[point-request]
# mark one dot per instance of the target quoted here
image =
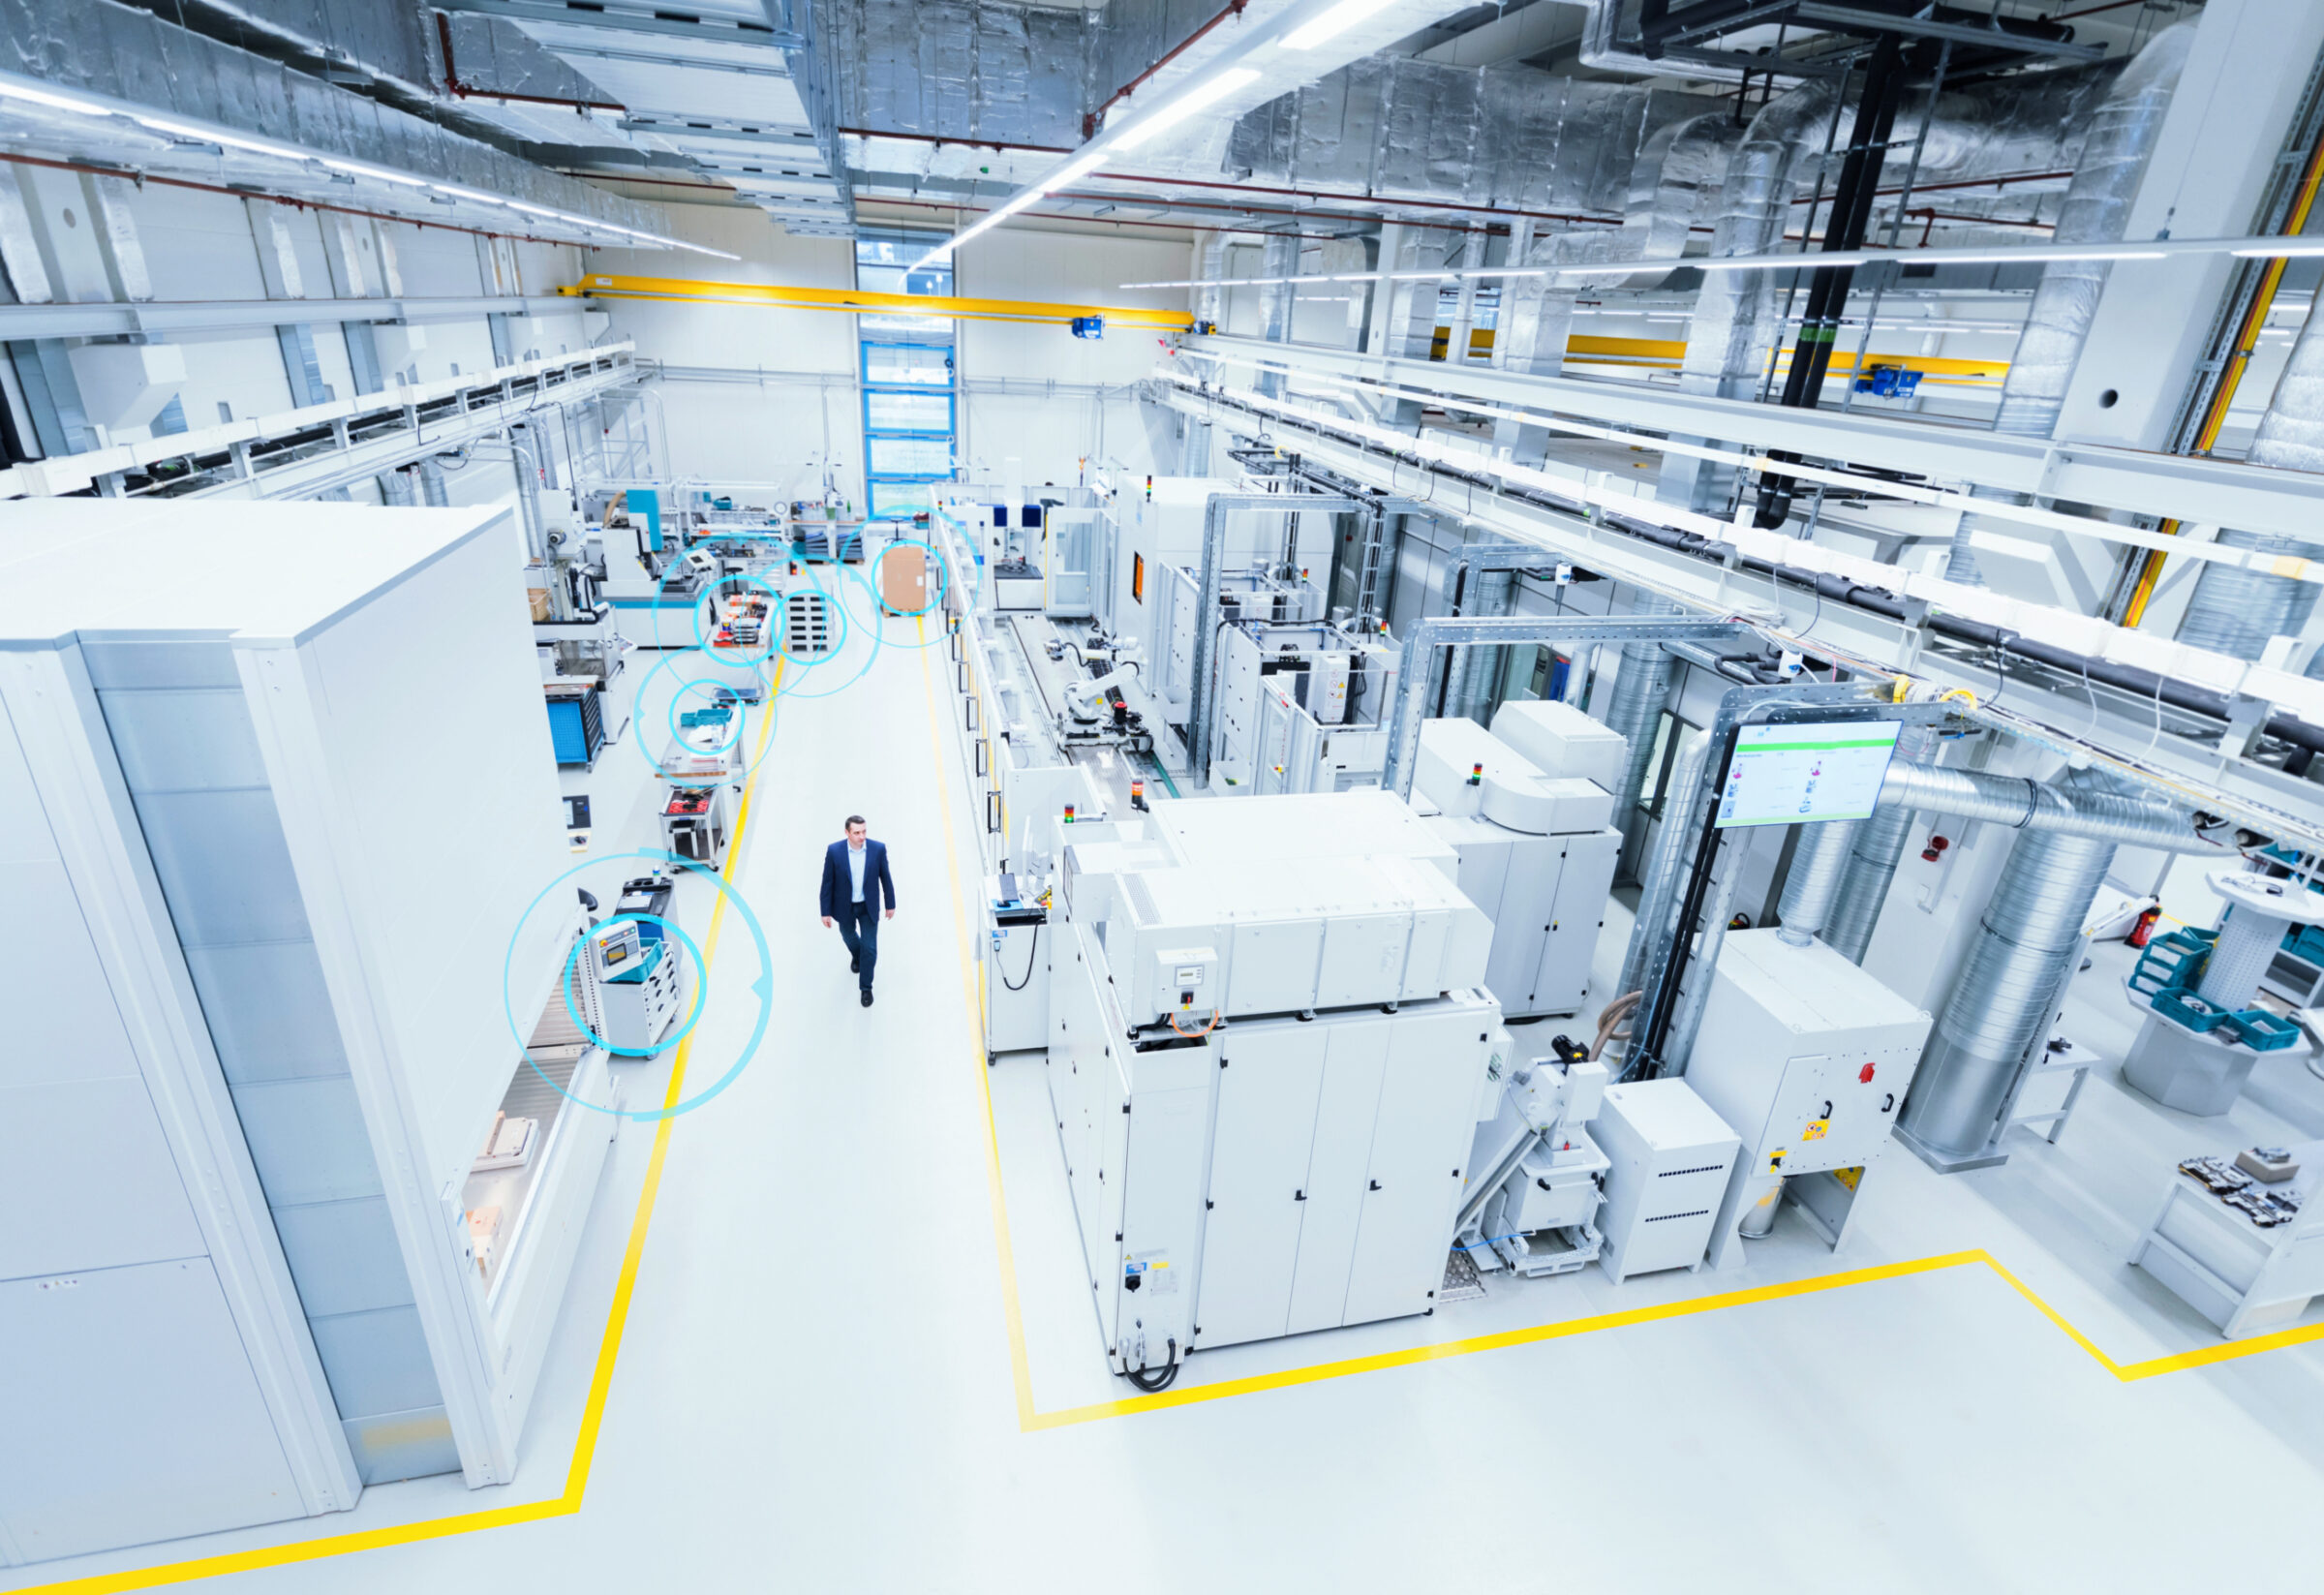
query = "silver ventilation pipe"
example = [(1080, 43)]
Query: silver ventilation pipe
[(1641, 685), (1725, 346), (1878, 844), (1678, 176), (1280, 262), (2078, 808), (2029, 939), (2028, 945), (2235, 610), (1658, 899), (2097, 210), (1819, 861), (1732, 332)]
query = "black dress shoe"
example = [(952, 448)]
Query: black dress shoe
[(855, 964), (867, 997)]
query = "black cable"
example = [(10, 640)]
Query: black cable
[(1028, 962), (1156, 1379)]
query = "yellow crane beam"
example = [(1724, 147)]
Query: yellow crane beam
[(849, 300)]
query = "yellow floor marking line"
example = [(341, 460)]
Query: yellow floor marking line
[(1030, 1419), (585, 1445), (1020, 1367)]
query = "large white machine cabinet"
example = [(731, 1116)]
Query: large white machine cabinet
[(1809, 1058), (1537, 853), (1266, 1075), (1669, 1157)]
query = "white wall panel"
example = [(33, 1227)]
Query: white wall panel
[(244, 370), (144, 1422), (197, 245), (433, 262)]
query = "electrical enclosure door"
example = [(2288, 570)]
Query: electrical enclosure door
[(1267, 1092), (1159, 1181), (1426, 1119), (1585, 878), (1353, 1063)]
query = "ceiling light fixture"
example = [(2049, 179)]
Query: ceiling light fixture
[(1332, 23), (54, 101), (1078, 168), (1199, 98)]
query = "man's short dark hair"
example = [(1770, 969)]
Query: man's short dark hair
[(856, 820)]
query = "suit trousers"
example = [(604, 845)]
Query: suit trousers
[(859, 928)]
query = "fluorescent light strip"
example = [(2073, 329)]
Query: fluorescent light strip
[(198, 134), (54, 101), (1201, 97), (1332, 23), (1081, 165)]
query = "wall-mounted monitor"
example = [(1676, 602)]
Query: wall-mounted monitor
[(1805, 772)]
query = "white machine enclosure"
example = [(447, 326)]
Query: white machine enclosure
[(228, 804), (1270, 1178), (1536, 854), (1292, 937), (1300, 708), (1558, 739), (1362, 824), (1158, 530), (1668, 1159), (1297, 1163), (1809, 1058)]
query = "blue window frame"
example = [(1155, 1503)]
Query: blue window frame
[(911, 381)]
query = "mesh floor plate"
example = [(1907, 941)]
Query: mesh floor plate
[(1461, 1280)]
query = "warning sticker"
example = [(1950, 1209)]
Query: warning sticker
[(1153, 1270), (1848, 1177), (1816, 1130)]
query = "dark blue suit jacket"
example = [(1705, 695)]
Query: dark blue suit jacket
[(839, 884)]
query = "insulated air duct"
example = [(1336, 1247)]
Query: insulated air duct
[(2097, 210), (2028, 944), (1641, 685), (1877, 843), (2235, 610), (2029, 941), (1819, 861)]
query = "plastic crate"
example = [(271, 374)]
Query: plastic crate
[(2172, 960), (2263, 1032), (2184, 1007)]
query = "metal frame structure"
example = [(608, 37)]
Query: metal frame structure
[(1423, 641), (2199, 491), (2156, 732), (1205, 611)]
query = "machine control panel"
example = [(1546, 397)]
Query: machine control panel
[(1191, 974)]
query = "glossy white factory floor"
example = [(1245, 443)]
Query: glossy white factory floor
[(831, 1369)]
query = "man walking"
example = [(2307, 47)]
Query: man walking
[(854, 873)]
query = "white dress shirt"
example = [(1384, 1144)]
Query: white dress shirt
[(856, 853)]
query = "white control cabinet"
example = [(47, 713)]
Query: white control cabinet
[(1669, 1157), (1273, 1177), (1536, 854), (1809, 1058)]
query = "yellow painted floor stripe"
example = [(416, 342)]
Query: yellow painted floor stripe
[(1029, 1417), (584, 1446)]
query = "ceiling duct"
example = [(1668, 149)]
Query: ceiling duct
[(1500, 136), (2124, 131), (2234, 610), (104, 48)]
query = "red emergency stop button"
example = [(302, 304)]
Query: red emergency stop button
[(1864, 1075)]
